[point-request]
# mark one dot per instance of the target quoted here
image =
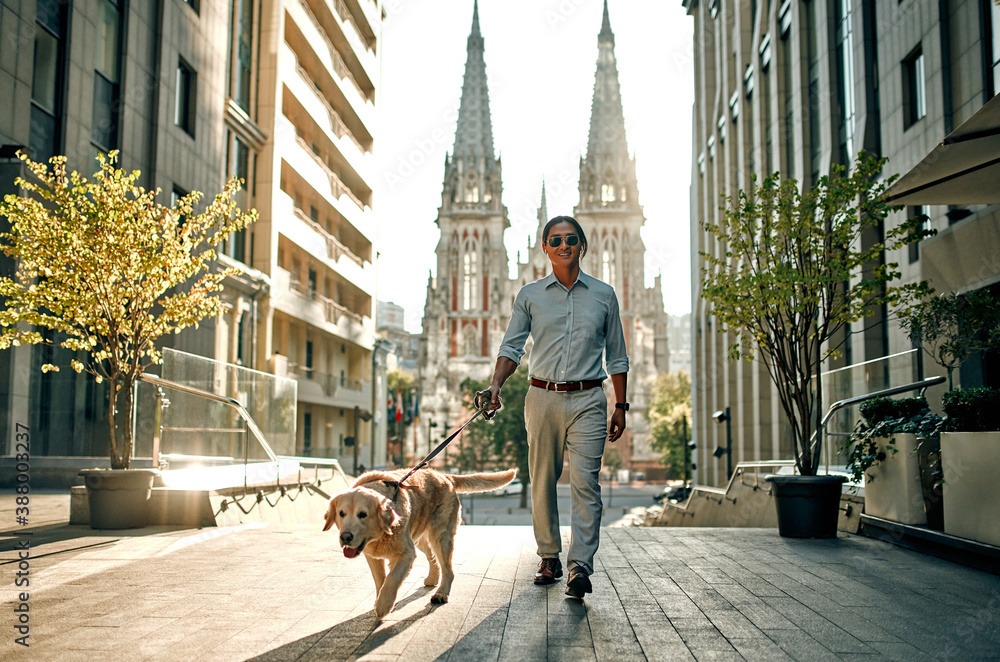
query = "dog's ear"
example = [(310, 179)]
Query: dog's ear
[(387, 516), (331, 512)]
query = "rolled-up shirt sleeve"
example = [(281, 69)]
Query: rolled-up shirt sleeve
[(518, 329), (614, 340)]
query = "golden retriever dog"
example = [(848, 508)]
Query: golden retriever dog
[(387, 523)]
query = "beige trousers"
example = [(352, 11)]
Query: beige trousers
[(576, 422)]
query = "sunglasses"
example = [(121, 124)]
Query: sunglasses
[(555, 240)]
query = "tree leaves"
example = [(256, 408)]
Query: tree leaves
[(789, 270), (112, 270)]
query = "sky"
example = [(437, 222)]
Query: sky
[(541, 58)]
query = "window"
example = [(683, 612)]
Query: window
[(608, 262), (470, 274), (238, 160), (107, 75), (241, 53), (995, 29), (307, 430), (914, 101), (470, 341), (471, 189), (175, 195), (309, 358), (312, 282), (815, 102), (241, 333), (845, 79), (187, 93), (914, 212), (46, 85), (607, 193), (789, 97)]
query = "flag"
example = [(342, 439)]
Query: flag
[(399, 409)]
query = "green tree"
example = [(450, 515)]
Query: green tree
[(791, 271), (952, 326), (502, 442), (110, 271), (671, 402)]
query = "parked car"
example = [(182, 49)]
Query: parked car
[(514, 487), (672, 493)]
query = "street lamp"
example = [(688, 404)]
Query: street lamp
[(366, 416), (724, 417)]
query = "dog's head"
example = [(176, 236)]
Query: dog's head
[(361, 515)]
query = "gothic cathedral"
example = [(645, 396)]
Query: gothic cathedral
[(468, 303)]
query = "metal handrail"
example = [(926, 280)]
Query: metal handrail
[(208, 395), (922, 385)]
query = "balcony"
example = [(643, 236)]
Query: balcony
[(365, 52), (300, 157), (323, 388), (314, 239), (315, 103), (314, 35), (293, 298)]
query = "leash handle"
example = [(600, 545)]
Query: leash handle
[(482, 402)]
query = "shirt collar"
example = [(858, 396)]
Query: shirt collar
[(551, 280)]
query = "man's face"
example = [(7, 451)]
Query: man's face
[(563, 256)]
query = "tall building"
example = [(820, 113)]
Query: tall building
[(469, 301), (797, 87), (679, 341), (161, 83), (318, 75), (281, 93)]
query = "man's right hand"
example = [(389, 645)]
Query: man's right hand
[(495, 400)]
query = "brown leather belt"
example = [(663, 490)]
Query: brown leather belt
[(566, 386)]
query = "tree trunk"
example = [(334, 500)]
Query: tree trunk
[(116, 462), (129, 392)]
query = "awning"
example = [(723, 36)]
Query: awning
[(963, 170)]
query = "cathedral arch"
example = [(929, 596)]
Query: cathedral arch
[(471, 188), (470, 340)]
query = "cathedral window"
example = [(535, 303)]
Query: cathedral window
[(470, 275), (471, 190), (608, 262), (607, 193)]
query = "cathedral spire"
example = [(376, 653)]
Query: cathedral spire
[(474, 133), (607, 174)]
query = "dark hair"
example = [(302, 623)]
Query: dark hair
[(566, 219)]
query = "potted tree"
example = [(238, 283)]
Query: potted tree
[(789, 274), (109, 270)]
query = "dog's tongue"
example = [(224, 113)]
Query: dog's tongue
[(350, 552)]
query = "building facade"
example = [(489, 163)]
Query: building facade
[(279, 93), (317, 92), (469, 301), (796, 87)]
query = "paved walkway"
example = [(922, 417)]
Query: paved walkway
[(261, 592)]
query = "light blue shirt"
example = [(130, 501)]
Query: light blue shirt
[(571, 330)]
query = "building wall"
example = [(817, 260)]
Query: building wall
[(110, 83), (796, 87)]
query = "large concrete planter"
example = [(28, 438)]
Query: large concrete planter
[(971, 495), (894, 491), (118, 498)]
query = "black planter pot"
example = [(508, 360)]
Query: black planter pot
[(118, 498), (808, 506)]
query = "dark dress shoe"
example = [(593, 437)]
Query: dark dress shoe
[(578, 584), (549, 570)]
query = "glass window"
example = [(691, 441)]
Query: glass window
[(104, 127), (107, 56), (787, 71), (845, 74), (46, 97), (186, 93), (914, 212), (239, 87), (43, 87), (914, 99), (995, 20), (470, 271)]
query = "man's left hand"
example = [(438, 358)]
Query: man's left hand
[(616, 426)]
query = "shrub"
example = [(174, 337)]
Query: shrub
[(972, 409)]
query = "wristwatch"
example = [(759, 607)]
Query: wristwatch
[(621, 405)]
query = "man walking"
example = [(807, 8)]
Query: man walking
[(574, 321)]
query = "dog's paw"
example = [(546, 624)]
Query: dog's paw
[(439, 599), (430, 581)]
